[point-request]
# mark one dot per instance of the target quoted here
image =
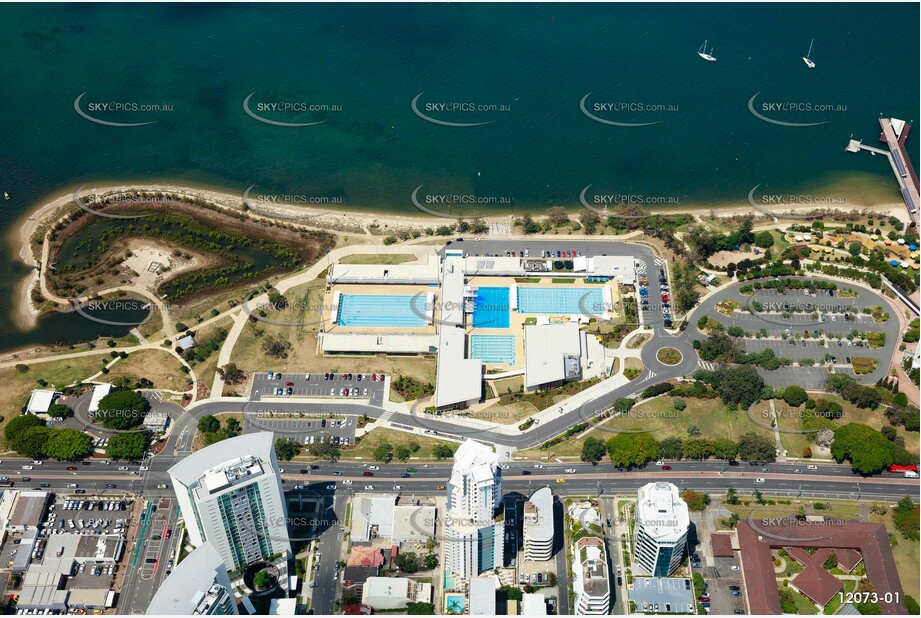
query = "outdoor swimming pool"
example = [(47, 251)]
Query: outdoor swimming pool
[(493, 348), (560, 301), (491, 308), (455, 603), (381, 310)]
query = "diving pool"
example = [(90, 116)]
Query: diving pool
[(560, 301), (493, 348), (381, 310), (491, 308)]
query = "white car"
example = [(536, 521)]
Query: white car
[(538, 466), (397, 487), (369, 486), (812, 467), (759, 481), (660, 463), (570, 470), (734, 567), (374, 467), (347, 481), (504, 466), (330, 487)]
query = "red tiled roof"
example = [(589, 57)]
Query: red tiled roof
[(848, 559), (365, 555), (721, 544), (817, 583), (869, 540)]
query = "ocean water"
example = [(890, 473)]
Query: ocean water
[(364, 65)]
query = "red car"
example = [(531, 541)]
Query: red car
[(374, 377), (367, 473), (289, 383), (666, 467), (169, 532), (71, 468)]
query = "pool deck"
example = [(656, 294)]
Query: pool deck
[(379, 290)]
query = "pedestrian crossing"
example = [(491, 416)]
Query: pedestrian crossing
[(706, 365), (386, 415)]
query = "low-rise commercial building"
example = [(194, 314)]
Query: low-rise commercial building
[(386, 593)]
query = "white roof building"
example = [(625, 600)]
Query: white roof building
[(475, 486), (413, 523), (372, 516), (198, 585), (458, 380), (553, 353), (99, 391), (230, 495), (394, 592), (533, 604), (483, 595), (41, 400), (660, 534), (406, 274), (590, 577), (538, 525), (378, 343)]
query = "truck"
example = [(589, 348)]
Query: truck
[(910, 470)]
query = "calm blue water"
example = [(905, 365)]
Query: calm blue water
[(371, 60), (381, 310), (560, 301), (491, 308), (493, 348)]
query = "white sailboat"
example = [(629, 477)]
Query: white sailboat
[(702, 52), (807, 59)]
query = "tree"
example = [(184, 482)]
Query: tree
[(732, 496), (679, 404), (429, 562), (287, 449), (420, 608), (590, 221), (122, 409), (628, 450), (593, 450), (795, 395), (208, 424), (442, 450), (263, 580), (68, 444), (558, 216), (697, 448), (868, 450), (402, 452), (327, 451), (756, 447), (60, 410), (21, 368), (855, 248), (407, 562), (128, 445), (738, 385), (905, 517), (765, 240), (724, 448), (831, 562), (231, 374), (696, 501), (383, 452), (19, 424), (671, 448), (32, 442), (276, 347), (623, 404), (693, 430)]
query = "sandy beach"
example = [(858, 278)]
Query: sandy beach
[(368, 223)]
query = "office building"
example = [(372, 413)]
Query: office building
[(538, 525), (661, 530), (199, 585)]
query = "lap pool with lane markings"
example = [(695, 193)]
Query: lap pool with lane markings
[(381, 310), (493, 348), (560, 301)]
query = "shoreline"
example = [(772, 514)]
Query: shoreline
[(329, 219)]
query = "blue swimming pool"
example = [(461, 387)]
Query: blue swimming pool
[(493, 348), (491, 308), (381, 310), (560, 301)]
